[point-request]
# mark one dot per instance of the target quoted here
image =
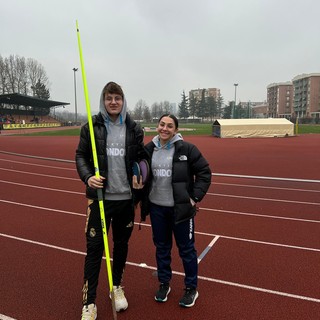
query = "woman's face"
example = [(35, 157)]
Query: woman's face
[(166, 129)]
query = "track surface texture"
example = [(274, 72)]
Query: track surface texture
[(257, 235)]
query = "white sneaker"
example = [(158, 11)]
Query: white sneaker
[(120, 300), (89, 312)]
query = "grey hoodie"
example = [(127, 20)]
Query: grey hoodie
[(117, 185), (161, 166)]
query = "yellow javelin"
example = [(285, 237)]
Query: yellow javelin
[(97, 174)]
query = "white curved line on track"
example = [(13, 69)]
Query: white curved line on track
[(209, 193), (42, 208), (40, 174), (38, 165), (262, 199), (264, 177), (260, 215), (148, 225), (39, 187), (263, 187), (229, 283), (3, 317), (213, 174)]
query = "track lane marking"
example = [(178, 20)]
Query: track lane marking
[(36, 157), (43, 208), (42, 188), (260, 242), (263, 199), (208, 248), (38, 165), (261, 215), (148, 225), (264, 177), (3, 317), (229, 283), (264, 187), (40, 174)]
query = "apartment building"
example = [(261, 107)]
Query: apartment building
[(280, 100), (306, 101), (210, 92), (259, 110)]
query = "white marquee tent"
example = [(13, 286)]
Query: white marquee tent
[(252, 128)]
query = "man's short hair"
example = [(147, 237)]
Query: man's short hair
[(112, 88)]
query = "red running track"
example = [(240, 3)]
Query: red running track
[(258, 235)]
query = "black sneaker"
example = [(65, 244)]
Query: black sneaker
[(162, 293), (189, 298)]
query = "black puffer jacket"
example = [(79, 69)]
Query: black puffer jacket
[(191, 178), (84, 159)]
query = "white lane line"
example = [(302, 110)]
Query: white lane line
[(40, 174), (260, 242), (148, 225), (209, 194), (213, 174), (38, 165), (229, 283), (261, 215), (264, 177), (244, 286), (39, 187), (263, 199), (208, 248), (36, 157), (264, 187), (3, 317), (42, 208)]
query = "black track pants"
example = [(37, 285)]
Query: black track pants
[(121, 216)]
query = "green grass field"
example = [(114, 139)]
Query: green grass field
[(198, 129)]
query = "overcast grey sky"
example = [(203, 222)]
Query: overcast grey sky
[(155, 49)]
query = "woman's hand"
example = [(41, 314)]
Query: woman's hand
[(96, 183), (135, 183)]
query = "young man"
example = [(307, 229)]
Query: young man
[(119, 142)]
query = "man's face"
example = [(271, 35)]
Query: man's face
[(113, 103)]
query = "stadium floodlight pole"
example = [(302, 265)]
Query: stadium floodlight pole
[(235, 99), (75, 94), (97, 174)]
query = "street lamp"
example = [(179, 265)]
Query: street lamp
[(235, 99), (75, 94)]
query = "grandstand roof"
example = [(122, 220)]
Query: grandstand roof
[(24, 100)]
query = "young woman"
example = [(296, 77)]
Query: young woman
[(180, 178)]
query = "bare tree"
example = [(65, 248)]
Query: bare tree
[(21, 75), (36, 73), (166, 106), (138, 110)]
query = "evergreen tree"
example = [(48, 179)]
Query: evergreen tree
[(192, 106), (41, 91), (202, 110), (184, 106), (219, 106), (212, 107), (227, 111)]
